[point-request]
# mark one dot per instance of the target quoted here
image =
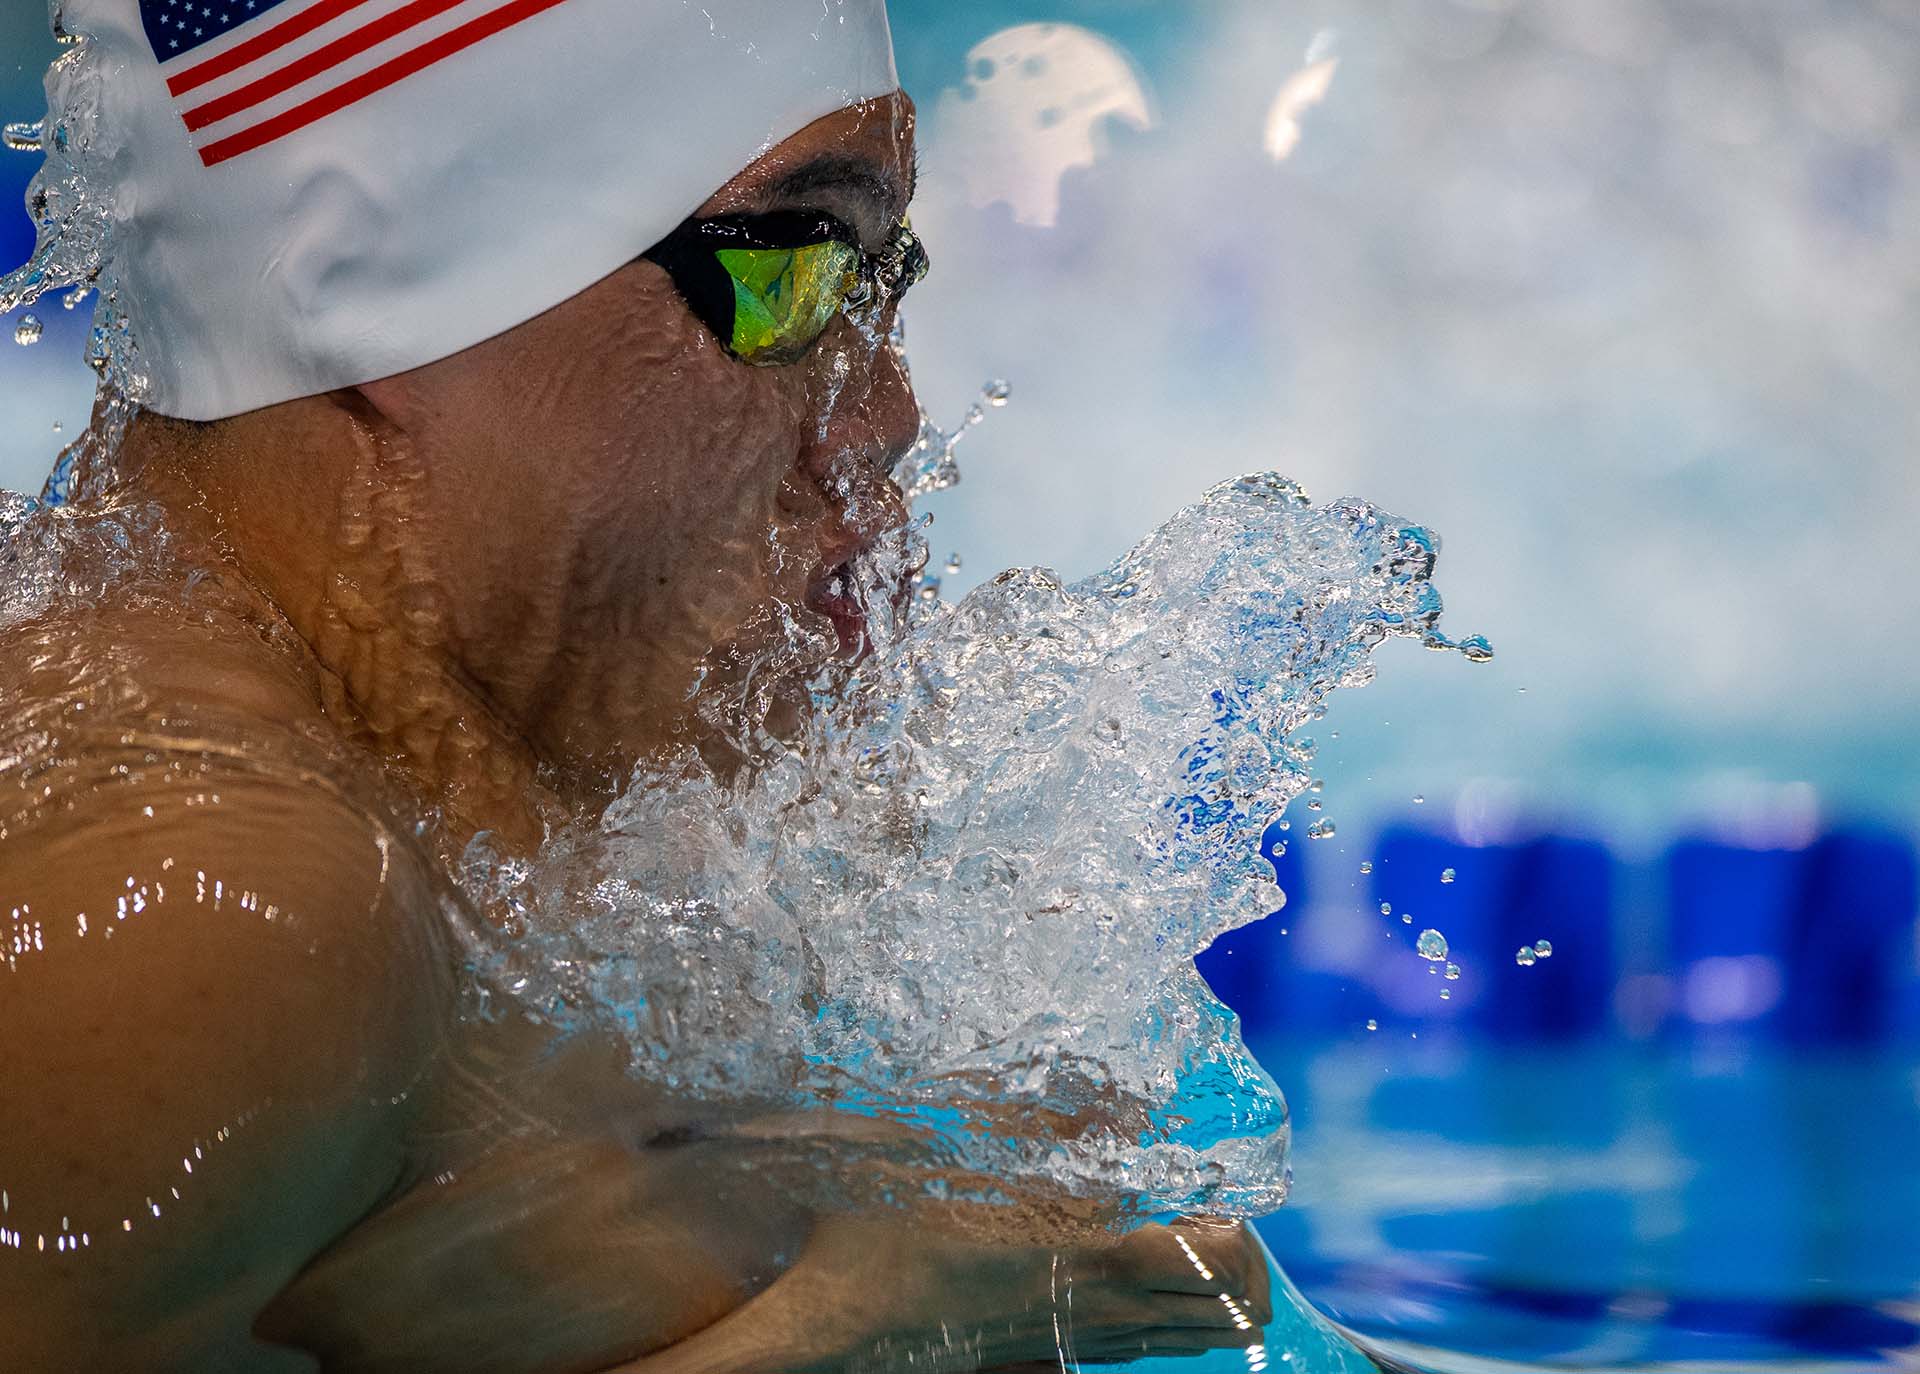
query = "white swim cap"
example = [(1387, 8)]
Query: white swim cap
[(309, 194)]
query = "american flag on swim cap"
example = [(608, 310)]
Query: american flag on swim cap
[(245, 73)]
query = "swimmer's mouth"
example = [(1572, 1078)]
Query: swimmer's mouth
[(832, 595)]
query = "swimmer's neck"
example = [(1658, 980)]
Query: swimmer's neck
[(324, 510)]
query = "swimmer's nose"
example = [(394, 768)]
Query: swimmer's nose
[(873, 419), (896, 410)]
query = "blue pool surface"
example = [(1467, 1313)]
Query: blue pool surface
[(1689, 1135), (1607, 1205)]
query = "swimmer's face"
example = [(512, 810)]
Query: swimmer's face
[(645, 504)]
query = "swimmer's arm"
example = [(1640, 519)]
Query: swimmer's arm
[(874, 1291), (213, 1026)]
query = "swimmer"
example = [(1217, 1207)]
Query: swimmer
[(506, 366)]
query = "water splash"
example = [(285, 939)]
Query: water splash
[(24, 136), (968, 902), (70, 201)]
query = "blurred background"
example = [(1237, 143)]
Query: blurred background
[(1623, 300)]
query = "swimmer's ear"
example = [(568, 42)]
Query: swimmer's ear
[(382, 408), (386, 397)]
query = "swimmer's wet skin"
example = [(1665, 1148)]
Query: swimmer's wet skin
[(458, 546)]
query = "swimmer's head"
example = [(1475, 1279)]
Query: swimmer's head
[(589, 318), (309, 194)]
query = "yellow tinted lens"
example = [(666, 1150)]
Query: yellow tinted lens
[(784, 298)]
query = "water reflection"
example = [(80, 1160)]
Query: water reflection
[(1300, 93), (1031, 110)]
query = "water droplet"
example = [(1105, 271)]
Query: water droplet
[(997, 393), (1419, 800), (1446, 875), (1335, 735), (1372, 1024), (75, 296), (953, 564), (1526, 958), (28, 331), (1453, 973), (1432, 946), (1446, 994), (25, 136), (1317, 785), (1386, 908), (929, 589), (57, 426), (1543, 948), (1406, 918), (1314, 804), (1320, 830), (1366, 865)]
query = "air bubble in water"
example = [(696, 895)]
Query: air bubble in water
[(1432, 946), (1453, 973), (1543, 948), (1446, 875), (997, 393), (1320, 830), (28, 331), (1526, 958)]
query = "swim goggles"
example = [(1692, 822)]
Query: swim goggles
[(769, 285)]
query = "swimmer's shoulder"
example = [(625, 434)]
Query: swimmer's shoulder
[(221, 987)]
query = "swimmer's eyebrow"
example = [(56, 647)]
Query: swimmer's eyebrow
[(838, 172)]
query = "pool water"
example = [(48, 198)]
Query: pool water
[(1722, 1205)]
